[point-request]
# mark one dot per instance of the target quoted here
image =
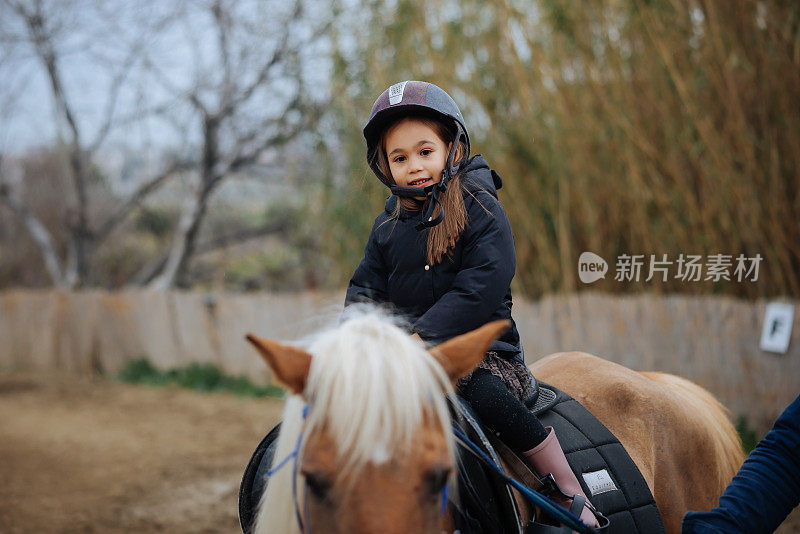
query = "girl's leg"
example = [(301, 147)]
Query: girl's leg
[(501, 411), (522, 431)]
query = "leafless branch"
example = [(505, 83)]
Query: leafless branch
[(220, 97), (263, 73), (285, 133), (278, 225), (162, 78), (138, 196), (113, 94)]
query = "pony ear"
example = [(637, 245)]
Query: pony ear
[(463, 353), (289, 364)]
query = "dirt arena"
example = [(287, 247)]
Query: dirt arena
[(98, 456)]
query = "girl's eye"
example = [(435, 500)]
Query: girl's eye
[(426, 151), (399, 159)]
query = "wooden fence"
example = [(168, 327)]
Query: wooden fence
[(711, 340)]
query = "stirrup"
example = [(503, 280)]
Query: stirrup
[(550, 487)]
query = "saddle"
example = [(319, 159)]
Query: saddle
[(486, 503)]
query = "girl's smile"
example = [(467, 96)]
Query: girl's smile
[(416, 154)]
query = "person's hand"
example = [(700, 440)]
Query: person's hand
[(416, 336)]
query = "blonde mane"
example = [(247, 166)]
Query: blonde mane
[(370, 386)]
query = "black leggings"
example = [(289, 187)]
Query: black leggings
[(501, 411)]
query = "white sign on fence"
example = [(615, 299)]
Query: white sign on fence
[(777, 330)]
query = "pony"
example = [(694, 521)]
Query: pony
[(366, 445)]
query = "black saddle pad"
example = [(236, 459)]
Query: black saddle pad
[(605, 470)]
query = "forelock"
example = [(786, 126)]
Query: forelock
[(371, 386)]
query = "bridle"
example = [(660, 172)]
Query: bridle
[(534, 497), (294, 455)]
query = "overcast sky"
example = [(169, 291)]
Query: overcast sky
[(94, 44)]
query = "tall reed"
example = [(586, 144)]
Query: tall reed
[(659, 127)]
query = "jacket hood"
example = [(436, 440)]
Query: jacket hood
[(477, 175)]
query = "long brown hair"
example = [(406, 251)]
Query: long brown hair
[(442, 237)]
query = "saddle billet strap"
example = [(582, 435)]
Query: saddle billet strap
[(578, 502), (515, 464), (524, 474)]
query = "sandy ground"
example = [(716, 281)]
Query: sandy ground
[(98, 456)]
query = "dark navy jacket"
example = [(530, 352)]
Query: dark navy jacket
[(466, 289), (766, 488)]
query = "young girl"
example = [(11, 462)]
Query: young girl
[(442, 254)]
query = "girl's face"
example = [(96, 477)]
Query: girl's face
[(416, 154)]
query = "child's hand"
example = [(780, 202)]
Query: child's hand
[(416, 336)]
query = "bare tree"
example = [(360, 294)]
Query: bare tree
[(248, 96), (227, 78), (42, 27)]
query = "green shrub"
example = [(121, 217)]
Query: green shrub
[(141, 371), (198, 376)]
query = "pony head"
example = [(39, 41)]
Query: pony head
[(374, 450)]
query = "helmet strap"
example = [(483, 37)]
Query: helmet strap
[(448, 172), (428, 219)]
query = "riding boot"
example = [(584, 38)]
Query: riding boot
[(548, 457)]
